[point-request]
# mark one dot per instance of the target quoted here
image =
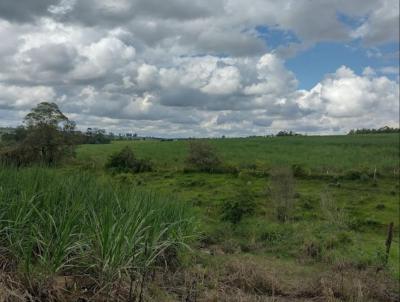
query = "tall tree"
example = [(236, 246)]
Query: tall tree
[(49, 137), (45, 114)]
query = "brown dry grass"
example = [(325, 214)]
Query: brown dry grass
[(235, 279), (243, 279)]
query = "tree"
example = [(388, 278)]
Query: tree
[(45, 114), (49, 137)]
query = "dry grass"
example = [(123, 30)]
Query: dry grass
[(246, 279)]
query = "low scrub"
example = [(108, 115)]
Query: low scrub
[(203, 157), (125, 161), (233, 210)]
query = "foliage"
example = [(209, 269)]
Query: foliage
[(126, 161), (202, 156), (287, 133), (243, 204), (47, 138), (96, 136), (45, 113), (17, 135), (385, 129), (282, 192)]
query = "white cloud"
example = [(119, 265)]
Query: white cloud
[(353, 99), (19, 97), (382, 24), (225, 80), (161, 66)]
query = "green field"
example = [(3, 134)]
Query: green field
[(331, 249), (320, 154)]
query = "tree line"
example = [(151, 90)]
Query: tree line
[(46, 136), (385, 129)]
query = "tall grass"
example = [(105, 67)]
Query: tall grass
[(53, 223)]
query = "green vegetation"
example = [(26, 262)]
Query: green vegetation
[(290, 217), (331, 217), (125, 161), (385, 129), (55, 224), (47, 138)]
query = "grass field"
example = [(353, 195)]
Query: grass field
[(331, 249), (321, 154)]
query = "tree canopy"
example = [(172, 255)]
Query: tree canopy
[(45, 114), (47, 138)]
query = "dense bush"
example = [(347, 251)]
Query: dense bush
[(203, 157), (243, 204), (126, 161)]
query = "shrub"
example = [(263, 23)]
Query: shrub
[(282, 192), (125, 161), (234, 210), (299, 171), (202, 157)]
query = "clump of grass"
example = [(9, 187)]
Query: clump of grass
[(332, 212), (282, 192), (54, 224)]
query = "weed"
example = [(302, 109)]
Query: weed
[(282, 193)]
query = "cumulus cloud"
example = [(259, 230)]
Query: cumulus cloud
[(192, 69), (353, 100)]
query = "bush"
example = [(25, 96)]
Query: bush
[(299, 171), (282, 192), (234, 210), (202, 157), (125, 161)]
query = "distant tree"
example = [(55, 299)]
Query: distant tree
[(287, 133), (384, 129), (97, 136), (48, 137)]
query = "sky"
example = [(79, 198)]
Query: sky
[(203, 68)]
